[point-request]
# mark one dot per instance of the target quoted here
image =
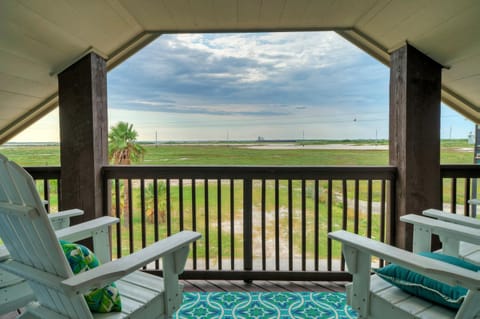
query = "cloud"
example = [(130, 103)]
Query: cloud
[(275, 79)]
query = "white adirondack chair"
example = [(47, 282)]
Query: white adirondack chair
[(36, 255), (372, 297), (14, 291), (460, 235)]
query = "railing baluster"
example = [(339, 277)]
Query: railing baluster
[(219, 222), (207, 225), (118, 226), (130, 216), (155, 216), (232, 224), (466, 197), (194, 220), (180, 204), (46, 193), (344, 217), (264, 226), (277, 225), (168, 207), (304, 226), (454, 196), (329, 225), (143, 213), (290, 226), (316, 202), (392, 216), (356, 207), (247, 225), (369, 208), (382, 215)]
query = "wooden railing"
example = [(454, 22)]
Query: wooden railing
[(459, 185), (262, 222), (256, 222)]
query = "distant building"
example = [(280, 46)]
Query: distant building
[(471, 138)]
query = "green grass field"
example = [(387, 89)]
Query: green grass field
[(452, 152)]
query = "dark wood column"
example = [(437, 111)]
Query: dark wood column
[(415, 88), (82, 90)]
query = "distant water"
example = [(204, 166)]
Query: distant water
[(16, 144)]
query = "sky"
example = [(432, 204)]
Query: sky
[(312, 85)]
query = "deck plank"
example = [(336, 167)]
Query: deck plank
[(262, 286), (255, 286)]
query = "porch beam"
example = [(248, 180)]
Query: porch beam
[(415, 93), (82, 90)]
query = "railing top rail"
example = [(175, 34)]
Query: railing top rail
[(44, 172), (387, 172), (253, 172), (460, 170)]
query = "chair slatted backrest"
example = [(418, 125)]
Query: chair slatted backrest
[(29, 236)]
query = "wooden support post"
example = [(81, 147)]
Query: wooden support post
[(82, 90), (415, 88)]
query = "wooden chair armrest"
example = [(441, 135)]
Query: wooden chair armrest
[(62, 219), (175, 246), (452, 218), (450, 234), (86, 229), (97, 229), (66, 214), (441, 271)]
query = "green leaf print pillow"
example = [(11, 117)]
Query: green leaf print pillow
[(80, 258)]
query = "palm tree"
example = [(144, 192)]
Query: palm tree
[(123, 149)]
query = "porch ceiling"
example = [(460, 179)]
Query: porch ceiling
[(39, 38)]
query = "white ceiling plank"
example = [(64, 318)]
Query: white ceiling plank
[(17, 43), (249, 13), (95, 23), (467, 87), (152, 15), (294, 11), (13, 105), (425, 19), (181, 13), (458, 33), (464, 68), (390, 15), (15, 65), (271, 12), (337, 14), (203, 13), (226, 13), (17, 85)]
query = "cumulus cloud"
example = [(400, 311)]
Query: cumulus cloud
[(275, 78)]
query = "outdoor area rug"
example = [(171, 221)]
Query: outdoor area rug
[(282, 305)]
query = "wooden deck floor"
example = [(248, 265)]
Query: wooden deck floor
[(265, 286), (260, 286)]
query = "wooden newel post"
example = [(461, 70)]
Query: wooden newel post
[(415, 89), (82, 90)]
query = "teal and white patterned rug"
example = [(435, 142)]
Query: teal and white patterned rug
[(265, 305)]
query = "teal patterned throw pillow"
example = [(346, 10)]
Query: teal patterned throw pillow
[(80, 258)]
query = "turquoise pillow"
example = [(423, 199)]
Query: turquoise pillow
[(425, 287), (80, 258)]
